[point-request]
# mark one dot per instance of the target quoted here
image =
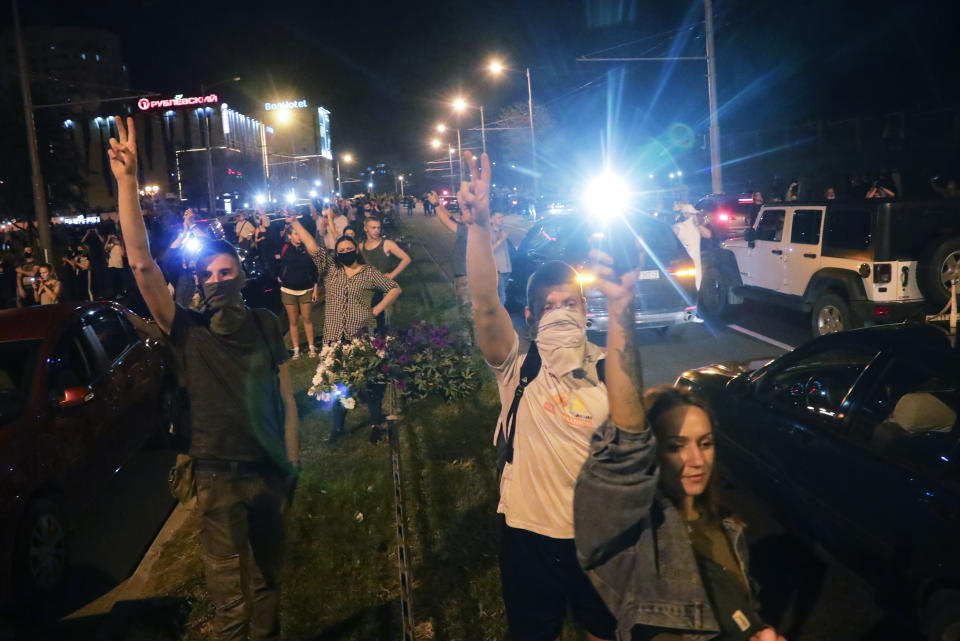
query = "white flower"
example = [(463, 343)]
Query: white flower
[(324, 397), (381, 353), (348, 402)]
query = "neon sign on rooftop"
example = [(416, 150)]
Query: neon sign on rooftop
[(179, 100)]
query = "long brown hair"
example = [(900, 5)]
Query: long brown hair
[(659, 401)]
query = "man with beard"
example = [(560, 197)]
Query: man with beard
[(243, 417), (553, 398)]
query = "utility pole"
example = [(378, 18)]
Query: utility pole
[(41, 216), (459, 155), (211, 196), (716, 178), (533, 140), (716, 175)]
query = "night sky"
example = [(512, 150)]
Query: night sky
[(384, 68)]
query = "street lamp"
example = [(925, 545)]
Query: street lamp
[(460, 105), (496, 68), (347, 158), (435, 143), (441, 127), (400, 178)]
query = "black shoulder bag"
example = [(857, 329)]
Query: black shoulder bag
[(507, 430)]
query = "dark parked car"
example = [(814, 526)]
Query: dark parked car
[(853, 440), (666, 293), (83, 387)]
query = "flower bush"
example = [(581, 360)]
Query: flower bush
[(422, 361)]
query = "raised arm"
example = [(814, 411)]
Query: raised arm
[(624, 373), (442, 212), (306, 237), (150, 280), (617, 483), (393, 249), (321, 257), (495, 334)]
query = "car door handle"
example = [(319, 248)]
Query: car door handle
[(778, 252), (809, 255)]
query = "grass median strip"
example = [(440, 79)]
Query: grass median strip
[(340, 577)]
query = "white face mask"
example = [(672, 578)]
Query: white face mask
[(562, 340)]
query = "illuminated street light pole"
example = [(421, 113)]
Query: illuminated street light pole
[(496, 68), (453, 188), (401, 185), (459, 104)]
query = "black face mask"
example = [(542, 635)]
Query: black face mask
[(347, 258)]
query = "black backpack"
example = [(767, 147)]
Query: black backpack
[(528, 371)]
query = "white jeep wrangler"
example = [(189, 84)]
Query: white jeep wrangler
[(847, 263)]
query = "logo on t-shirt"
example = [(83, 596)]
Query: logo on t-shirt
[(572, 411)]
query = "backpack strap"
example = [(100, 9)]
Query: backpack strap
[(508, 429)]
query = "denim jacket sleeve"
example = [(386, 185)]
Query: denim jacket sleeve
[(614, 493)]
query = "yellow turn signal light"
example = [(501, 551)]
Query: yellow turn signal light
[(685, 273)]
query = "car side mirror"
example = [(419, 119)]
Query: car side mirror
[(738, 386), (750, 235), (73, 397)]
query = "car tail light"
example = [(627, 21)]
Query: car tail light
[(882, 273), (723, 217), (881, 310)]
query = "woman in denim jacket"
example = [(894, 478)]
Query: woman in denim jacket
[(647, 529)]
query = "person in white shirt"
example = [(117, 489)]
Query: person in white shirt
[(115, 253), (560, 408), (330, 226), (690, 231)]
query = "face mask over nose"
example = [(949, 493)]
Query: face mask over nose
[(347, 258), (223, 304), (562, 340)]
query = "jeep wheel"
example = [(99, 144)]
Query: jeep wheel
[(939, 265), (830, 314), (714, 299), (41, 550)]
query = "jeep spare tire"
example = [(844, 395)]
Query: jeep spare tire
[(830, 314), (939, 264)]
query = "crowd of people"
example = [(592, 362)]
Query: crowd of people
[(608, 492)]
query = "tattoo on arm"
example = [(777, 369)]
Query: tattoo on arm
[(630, 352)]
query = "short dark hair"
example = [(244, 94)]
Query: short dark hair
[(47, 266), (552, 274), (213, 248)]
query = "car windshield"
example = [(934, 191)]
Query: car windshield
[(658, 237), (18, 362)]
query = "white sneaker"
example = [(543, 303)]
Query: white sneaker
[(296, 354), (312, 353)]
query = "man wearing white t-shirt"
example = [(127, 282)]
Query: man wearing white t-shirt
[(690, 231), (559, 410)]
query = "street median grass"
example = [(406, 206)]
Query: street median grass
[(340, 579)]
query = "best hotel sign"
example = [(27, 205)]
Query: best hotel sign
[(145, 104)]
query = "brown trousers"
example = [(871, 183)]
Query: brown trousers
[(242, 541)]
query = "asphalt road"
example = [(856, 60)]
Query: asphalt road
[(809, 595)]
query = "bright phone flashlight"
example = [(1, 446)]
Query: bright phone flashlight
[(606, 196)]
